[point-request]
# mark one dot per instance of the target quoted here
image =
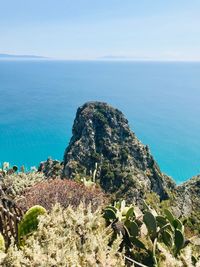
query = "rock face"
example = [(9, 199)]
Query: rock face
[(51, 168), (184, 202), (104, 147), (188, 196)]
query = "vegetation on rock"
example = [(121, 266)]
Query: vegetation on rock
[(101, 135)]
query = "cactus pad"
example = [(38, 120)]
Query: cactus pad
[(150, 222), (109, 214), (2, 243), (179, 240), (169, 216), (29, 221)]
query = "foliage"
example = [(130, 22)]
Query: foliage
[(144, 232), (88, 183), (29, 222), (66, 192), (67, 237), (113, 178), (51, 168), (95, 157), (15, 184), (100, 118), (191, 222), (2, 243), (6, 169)]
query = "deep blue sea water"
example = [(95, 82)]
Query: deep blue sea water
[(38, 102)]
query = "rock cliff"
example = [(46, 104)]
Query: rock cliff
[(103, 147), (188, 196)]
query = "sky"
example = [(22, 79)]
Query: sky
[(95, 29)]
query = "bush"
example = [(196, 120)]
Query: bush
[(71, 237), (15, 184), (65, 192)]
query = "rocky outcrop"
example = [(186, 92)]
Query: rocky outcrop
[(188, 196), (51, 168), (104, 147)]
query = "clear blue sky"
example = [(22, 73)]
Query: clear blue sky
[(87, 29)]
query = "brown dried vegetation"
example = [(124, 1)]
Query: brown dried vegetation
[(65, 192)]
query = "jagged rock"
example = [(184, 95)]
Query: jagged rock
[(51, 168), (102, 141)]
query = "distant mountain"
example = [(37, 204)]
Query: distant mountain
[(113, 57), (118, 57), (9, 56)]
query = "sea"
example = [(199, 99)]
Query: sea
[(161, 100)]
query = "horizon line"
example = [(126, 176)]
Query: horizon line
[(102, 60), (28, 57)]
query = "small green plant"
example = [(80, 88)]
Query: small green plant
[(91, 180), (4, 168), (7, 170), (173, 234), (120, 211), (2, 243), (87, 183), (29, 222), (15, 168), (22, 169)]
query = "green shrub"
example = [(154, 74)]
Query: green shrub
[(15, 184), (70, 237)]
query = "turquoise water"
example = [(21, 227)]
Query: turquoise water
[(38, 102)]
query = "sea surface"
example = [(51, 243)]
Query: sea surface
[(38, 102)]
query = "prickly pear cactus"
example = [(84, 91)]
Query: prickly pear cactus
[(159, 230), (151, 224), (110, 214), (2, 243), (119, 211), (133, 228), (29, 221), (167, 238), (169, 216), (179, 241), (127, 218)]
